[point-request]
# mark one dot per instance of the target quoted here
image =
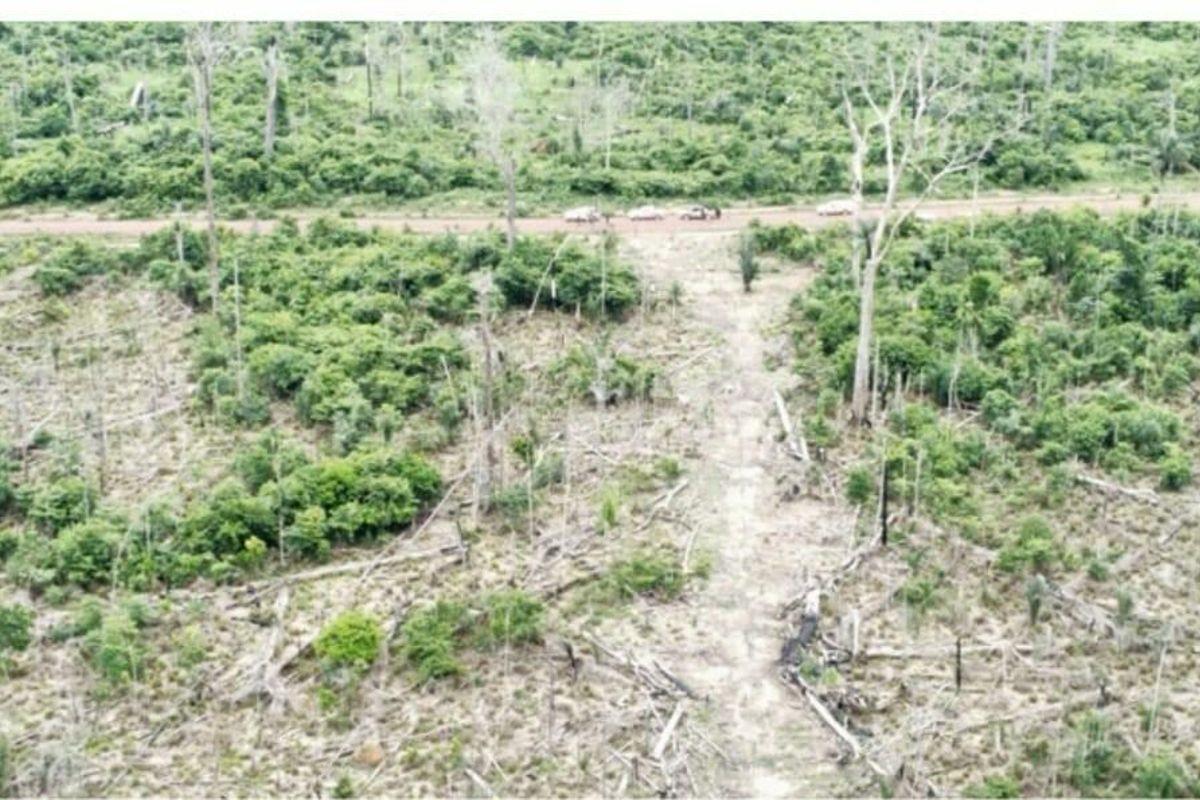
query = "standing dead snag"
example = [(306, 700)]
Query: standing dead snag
[(493, 91), (271, 68), (918, 109), (206, 47)]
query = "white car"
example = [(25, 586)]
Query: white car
[(645, 212), (836, 208), (696, 212), (582, 214)]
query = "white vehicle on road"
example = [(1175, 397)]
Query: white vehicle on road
[(836, 208), (582, 214), (645, 213), (697, 212)]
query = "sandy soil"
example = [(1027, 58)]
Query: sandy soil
[(762, 545)]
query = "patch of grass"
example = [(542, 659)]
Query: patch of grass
[(647, 573)]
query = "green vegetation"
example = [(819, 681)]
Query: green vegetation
[(358, 329), (603, 376), (650, 573), (434, 637), (349, 641), (15, 622), (615, 110), (1018, 360), (1069, 339), (115, 648)]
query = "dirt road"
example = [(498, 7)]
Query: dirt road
[(83, 224)]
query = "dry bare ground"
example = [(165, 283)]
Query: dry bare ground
[(659, 697)]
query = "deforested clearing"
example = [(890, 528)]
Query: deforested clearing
[(622, 409)]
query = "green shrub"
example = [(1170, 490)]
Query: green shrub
[(995, 787), (350, 641), (85, 553), (64, 271), (116, 650), (15, 623), (61, 503), (610, 508), (87, 618), (1161, 774), (1033, 547), (646, 573), (431, 640), (604, 377), (576, 278), (306, 536), (512, 618), (1175, 470), (920, 596), (860, 485), (747, 264)]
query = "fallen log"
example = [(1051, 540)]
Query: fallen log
[(797, 448), (1143, 495), (665, 738), (797, 684)]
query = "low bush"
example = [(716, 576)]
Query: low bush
[(1033, 547), (349, 641), (650, 573), (431, 640), (603, 376), (15, 624), (511, 618), (116, 650)]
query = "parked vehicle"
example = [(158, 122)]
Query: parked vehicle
[(836, 208), (582, 214), (645, 213), (696, 212)]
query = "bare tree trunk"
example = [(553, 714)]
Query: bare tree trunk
[(204, 87), (401, 46), (487, 412), (862, 354), (370, 78), (510, 205), (271, 68), (237, 333), (607, 133), (858, 160), (1053, 32)]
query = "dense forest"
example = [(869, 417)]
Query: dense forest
[(380, 114)]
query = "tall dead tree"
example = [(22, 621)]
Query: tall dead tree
[(69, 90), (271, 68), (915, 99), (1053, 31), (368, 56), (399, 44), (614, 98), (206, 47), (492, 87), (493, 93)]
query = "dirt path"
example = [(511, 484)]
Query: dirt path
[(84, 224), (761, 546)]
